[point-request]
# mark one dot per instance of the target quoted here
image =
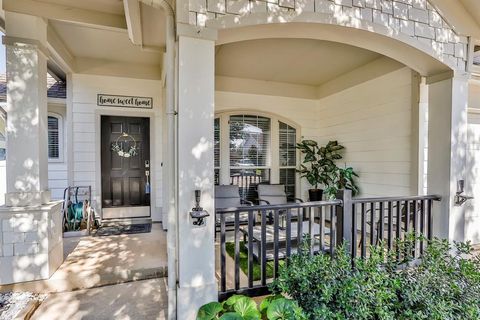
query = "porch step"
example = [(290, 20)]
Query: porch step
[(124, 221)]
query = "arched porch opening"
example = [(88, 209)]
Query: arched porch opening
[(372, 107)]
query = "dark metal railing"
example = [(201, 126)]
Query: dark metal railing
[(269, 237), (272, 233), (389, 219)]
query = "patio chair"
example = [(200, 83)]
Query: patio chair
[(274, 194), (228, 196)]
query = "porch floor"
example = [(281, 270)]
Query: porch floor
[(99, 261)]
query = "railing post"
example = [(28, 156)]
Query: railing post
[(344, 219)]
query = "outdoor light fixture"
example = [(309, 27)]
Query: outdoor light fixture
[(460, 199), (198, 214)]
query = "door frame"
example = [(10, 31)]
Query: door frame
[(98, 152)]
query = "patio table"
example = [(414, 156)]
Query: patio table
[(282, 238)]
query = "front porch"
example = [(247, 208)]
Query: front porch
[(96, 269), (95, 261), (250, 253), (224, 93)]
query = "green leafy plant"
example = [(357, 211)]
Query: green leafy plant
[(342, 178), (319, 167), (444, 284), (241, 307), (311, 168)]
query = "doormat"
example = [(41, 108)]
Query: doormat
[(124, 229)]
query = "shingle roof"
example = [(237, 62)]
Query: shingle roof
[(55, 89)]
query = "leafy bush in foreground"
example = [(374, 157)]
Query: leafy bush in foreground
[(445, 284), (239, 307)]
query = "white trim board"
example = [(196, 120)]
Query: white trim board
[(125, 212)]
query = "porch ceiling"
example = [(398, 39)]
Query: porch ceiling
[(107, 6), (98, 36), (473, 7), (87, 42), (299, 61)]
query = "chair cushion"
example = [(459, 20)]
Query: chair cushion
[(227, 196), (273, 193), (230, 218)]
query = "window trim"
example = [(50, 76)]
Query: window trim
[(274, 167), (60, 138), (297, 159)]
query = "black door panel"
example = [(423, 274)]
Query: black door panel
[(123, 178)]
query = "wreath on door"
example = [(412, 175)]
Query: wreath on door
[(116, 147)]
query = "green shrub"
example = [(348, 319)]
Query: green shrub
[(239, 307), (445, 284)]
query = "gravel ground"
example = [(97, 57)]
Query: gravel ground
[(12, 303)]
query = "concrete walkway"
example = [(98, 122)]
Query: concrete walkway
[(136, 300), (108, 277), (98, 261)]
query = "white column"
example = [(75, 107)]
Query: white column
[(32, 245), (422, 137), (196, 253), (27, 171), (447, 141)]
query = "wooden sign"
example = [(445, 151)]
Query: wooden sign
[(111, 100)]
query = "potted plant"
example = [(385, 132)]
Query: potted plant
[(319, 168), (312, 169), (343, 178)]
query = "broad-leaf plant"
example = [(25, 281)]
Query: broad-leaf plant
[(319, 167)]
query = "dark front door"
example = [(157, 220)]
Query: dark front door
[(125, 166)]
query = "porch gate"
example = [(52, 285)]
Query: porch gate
[(270, 234)]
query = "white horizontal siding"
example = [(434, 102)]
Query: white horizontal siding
[(297, 110), (472, 179), (373, 120), (3, 181), (85, 131), (57, 179)]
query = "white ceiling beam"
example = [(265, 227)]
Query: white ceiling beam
[(134, 21), (66, 13), (59, 51)]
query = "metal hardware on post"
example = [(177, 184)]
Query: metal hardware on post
[(344, 220), (198, 214), (460, 199)]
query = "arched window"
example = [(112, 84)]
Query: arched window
[(250, 152), (55, 138), (251, 149)]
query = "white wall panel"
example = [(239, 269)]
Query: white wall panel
[(86, 135), (373, 120)]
